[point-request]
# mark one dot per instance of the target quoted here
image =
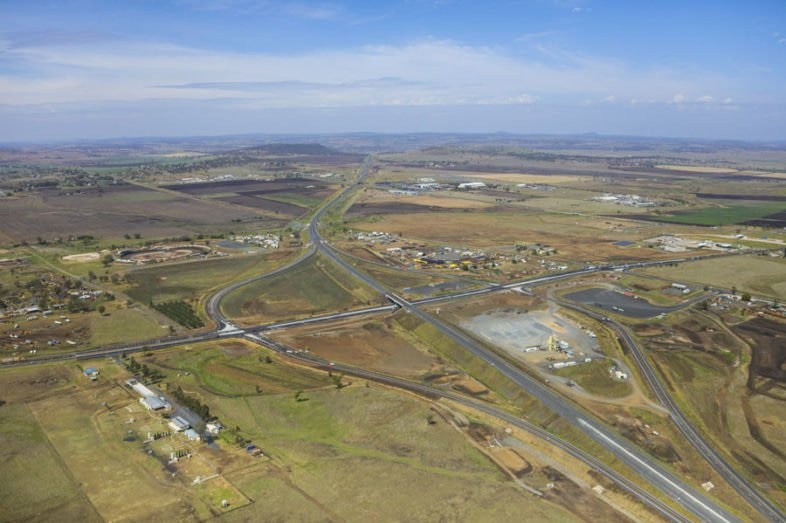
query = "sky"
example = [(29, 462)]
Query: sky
[(82, 69)]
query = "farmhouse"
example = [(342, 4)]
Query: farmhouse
[(192, 435), (91, 372)]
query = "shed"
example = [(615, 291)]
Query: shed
[(192, 435), (153, 403), (179, 424)]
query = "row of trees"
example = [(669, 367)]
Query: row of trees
[(181, 312), (192, 403), (142, 370)]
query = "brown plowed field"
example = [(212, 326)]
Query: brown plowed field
[(385, 208), (112, 212), (285, 209), (242, 186), (768, 342)]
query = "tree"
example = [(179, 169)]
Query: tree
[(107, 260), (746, 297), (101, 310)]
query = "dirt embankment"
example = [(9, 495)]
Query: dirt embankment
[(635, 431)]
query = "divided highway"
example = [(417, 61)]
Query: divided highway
[(709, 453), (645, 465), (694, 501), (429, 391)]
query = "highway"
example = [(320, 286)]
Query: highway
[(213, 305), (713, 457), (694, 501), (633, 456), (433, 392)]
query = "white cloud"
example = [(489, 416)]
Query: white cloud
[(677, 99), (527, 37), (524, 99), (610, 99), (421, 72), (706, 99)]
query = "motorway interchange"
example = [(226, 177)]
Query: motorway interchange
[(695, 505)]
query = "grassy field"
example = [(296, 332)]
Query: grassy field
[(37, 486), (337, 441), (754, 274), (311, 288), (190, 280), (595, 378), (650, 289), (126, 325), (356, 454), (233, 369)]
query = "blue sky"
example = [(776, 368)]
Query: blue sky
[(74, 69)]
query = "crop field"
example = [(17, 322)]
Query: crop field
[(754, 274), (309, 289), (192, 279), (716, 216), (117, 210), (284, 197), (696, 169), (377, 203)]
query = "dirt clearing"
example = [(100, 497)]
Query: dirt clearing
[(362, 342)]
